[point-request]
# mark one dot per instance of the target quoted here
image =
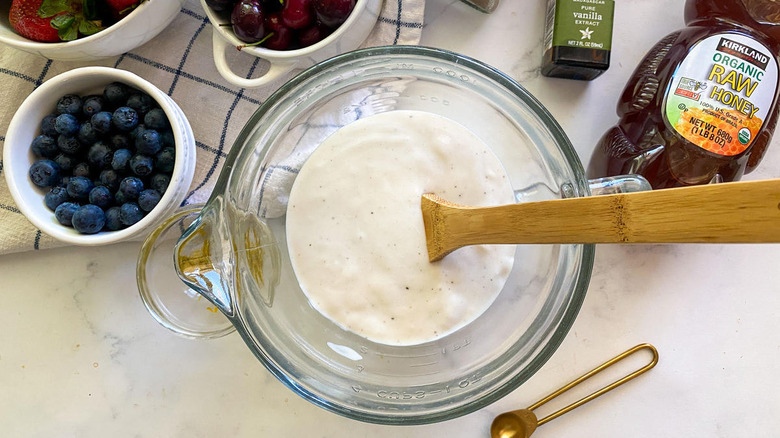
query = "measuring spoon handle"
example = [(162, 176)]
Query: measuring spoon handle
[(523, 422)]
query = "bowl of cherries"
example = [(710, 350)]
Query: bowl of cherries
[(289, 34)]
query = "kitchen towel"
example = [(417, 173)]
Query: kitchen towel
[(179, 61)]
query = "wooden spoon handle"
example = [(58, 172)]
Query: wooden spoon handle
[(721, 213)]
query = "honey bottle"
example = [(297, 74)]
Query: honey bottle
[(701, 107)]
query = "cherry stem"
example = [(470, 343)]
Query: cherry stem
[(270, 34)]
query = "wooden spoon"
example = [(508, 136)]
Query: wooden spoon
[(739, 212)]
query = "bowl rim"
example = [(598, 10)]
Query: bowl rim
[(38, 45), (581, 282), (48, 88)]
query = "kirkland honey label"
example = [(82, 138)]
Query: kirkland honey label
[(719, 97)]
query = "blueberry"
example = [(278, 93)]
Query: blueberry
[(130, 213), (47, 125), (64, 213), (101, 196), (55, 197), (69, 104), (44, 146), (45, 173), (112, 219), (101, 122), (79, 187), (88, 219), (68, 144), (130, 188), (81, 169), (165, 160), (148, 199), (116, 94), (156, 119), (64, 181), (125, 118), (66, 124), (141, 103), (148, 142), (167, 138), (159, 182), (92, 105), (119, 141), (87, 133), (99, 155), (110, 178), (65, 161), (138, 130), (141, 165), (120, 159)]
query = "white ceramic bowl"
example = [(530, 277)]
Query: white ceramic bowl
[(346, 37), (138, 27), (25, 126)]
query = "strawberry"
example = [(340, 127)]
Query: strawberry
[(54, 20), (26, 22)]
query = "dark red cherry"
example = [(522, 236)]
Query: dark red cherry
[(270, 6), (247, 20), (297, 14), (312, 35), (282, 35), (333, 12)]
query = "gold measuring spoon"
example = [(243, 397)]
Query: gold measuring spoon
[(522, 422), (744, 212)]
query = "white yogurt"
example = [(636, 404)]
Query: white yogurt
[(355, 230)]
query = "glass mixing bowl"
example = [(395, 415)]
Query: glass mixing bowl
[(235, 254)]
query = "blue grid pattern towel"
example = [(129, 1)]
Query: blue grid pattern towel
[(179, 62)]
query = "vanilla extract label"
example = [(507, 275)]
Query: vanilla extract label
[(581, 23), (721, 94)]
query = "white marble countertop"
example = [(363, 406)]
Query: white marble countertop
[(80, 356)]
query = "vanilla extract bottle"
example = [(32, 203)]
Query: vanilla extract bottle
[(578, 38)]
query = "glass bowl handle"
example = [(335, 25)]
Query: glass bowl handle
[(190, 310), (618, 184)]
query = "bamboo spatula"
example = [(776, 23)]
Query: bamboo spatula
[(738, 212)]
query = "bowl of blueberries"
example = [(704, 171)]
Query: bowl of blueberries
[(97, 155), (290, 35)]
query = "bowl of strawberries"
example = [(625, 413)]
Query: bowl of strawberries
[(289, 34), (83, 30)]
